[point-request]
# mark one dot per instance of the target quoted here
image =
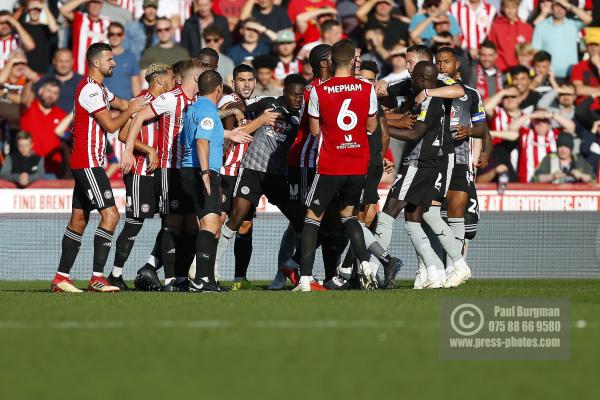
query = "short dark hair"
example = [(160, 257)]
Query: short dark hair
[(294, 79), (448, 49), (488, 44), (519, 69), (421, 50), (207, 51), (116, 24), (319, 53), (343, 51), (431, 3), (213, 30), (208, 81), (242, 68), (177, 67), (542, 56), (22, 135), (264, 61), (95, 50), (369, 65), (51, 82), (330, 23)]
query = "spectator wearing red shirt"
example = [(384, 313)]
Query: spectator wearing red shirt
[(507, 32), (585, 74), (40, 120), (296, 7)]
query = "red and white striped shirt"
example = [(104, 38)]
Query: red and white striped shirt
[(475, 24), (282, 70), (303, 152), (532, 150), (171, 107), (89, 138), (129, 5), (147, 135), (7, 46), (84, 32)]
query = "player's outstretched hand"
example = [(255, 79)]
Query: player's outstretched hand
[(138, 104), (483, 161), (462, 132), (206, 181), (388, 166), (401, 121), (269, 117), (381, 88), (127, 161), (152, 160), (237, 135)]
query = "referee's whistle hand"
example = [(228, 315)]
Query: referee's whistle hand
[(206, 180)]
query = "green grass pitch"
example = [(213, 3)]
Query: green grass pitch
[(261, 345)]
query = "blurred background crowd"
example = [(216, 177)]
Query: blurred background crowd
[(535, 63)]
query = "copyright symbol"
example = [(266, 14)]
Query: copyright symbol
[(466, 319)]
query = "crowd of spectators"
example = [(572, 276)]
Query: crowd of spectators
[(535, 63)]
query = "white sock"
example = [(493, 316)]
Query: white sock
[(384, 229), (168, 280), (62, 274), (97, 274), (461, 264), (306, 279), (152, 261), (117, 272), (226, 236), (432, 274)]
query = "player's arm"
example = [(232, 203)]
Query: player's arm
[(139, 146), (203, 131), (203, 148), (385, 136), (452, 91), (411, 135), (68, 10), (314, 113), (136, 125), (478, 121), (487, 145), (505, 135), (119, 104)]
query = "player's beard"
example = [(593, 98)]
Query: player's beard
[(109, 73)]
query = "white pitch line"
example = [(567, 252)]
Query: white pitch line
[(202, 324)]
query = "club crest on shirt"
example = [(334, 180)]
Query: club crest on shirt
[(207, 123), (108, 194)]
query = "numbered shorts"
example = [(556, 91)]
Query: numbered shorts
[(227, 187), (416, 185), (461, 178), (171, 198), (193, 186), (140, 196), (92, 189), (251, 185), (370, 194), (300, 180), (445, 169), (346, 189)]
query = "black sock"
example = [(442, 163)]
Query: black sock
[(70, 248), (242, 249), (298, 252), (206, 251), (186, 250), (309, 245), (348, 259), (169, 252), (157, 251), (330, 255), (102, 245), (357, 239), (126, 240)]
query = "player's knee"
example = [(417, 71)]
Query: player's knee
[(111, 216), (77, 223)]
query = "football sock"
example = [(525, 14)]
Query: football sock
[(458, 227), (330, 254), (308, 246), (169, 251), (226, 236), (206, 248), (102, 245), (421, 244), (384, 229), (155, 256), (287, 245), (242, 249), (71, 243), (436, 246), (125, 242), (185, 251), (357, 239), (443, 232)]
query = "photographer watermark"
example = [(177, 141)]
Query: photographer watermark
[(504, 328)]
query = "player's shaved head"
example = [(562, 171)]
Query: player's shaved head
[(424, 75), (209, 81), (209, 58), (342, 52)]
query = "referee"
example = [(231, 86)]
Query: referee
[(202, 141)]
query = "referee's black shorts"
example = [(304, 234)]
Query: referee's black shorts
[(193, 186)]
